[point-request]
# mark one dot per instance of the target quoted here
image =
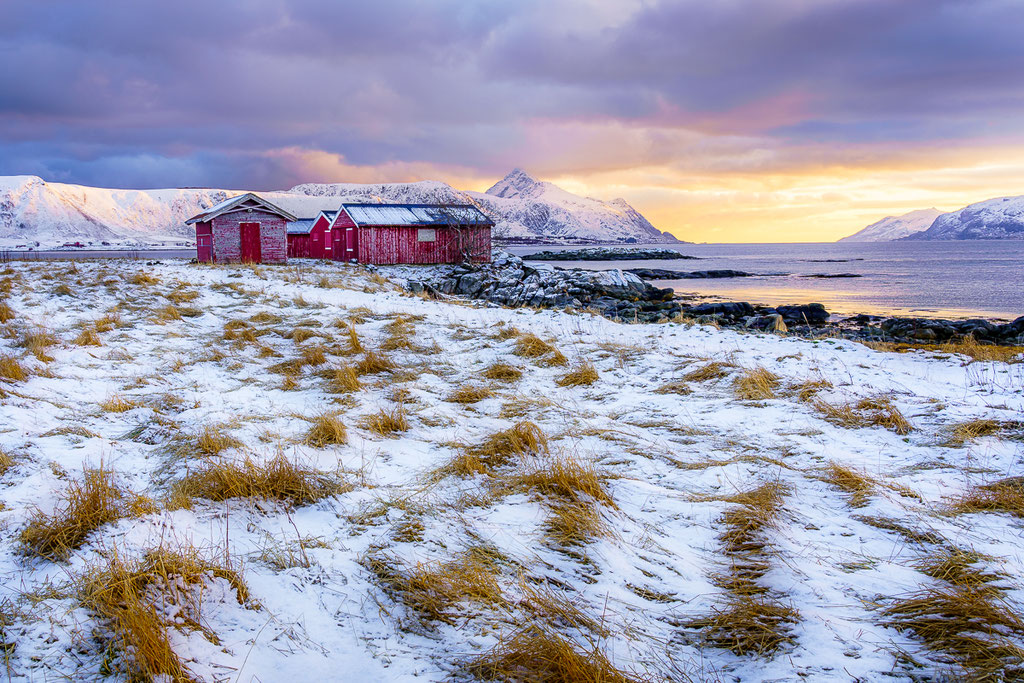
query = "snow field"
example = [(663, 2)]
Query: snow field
[(682, 484)]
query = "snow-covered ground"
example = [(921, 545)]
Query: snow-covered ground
[(669, 462)]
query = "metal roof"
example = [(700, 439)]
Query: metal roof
[(416, 214), (301, 227)]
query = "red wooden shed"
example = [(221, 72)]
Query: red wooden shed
[(245, 228), (411, 233), (310, 237)]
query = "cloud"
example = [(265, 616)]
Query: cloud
[(265, 93)]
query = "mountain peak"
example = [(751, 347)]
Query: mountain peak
[(517, 183)]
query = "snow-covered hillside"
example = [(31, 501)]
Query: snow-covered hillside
[(895, 227), (527, 208), (37, 213), (992, 219)]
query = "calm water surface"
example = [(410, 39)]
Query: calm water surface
[(931, 279)]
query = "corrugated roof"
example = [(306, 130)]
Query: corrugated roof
[(416, 214), (301, 227)]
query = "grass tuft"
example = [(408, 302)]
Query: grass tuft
[(748, 624), (706, 373), (82, 508), (11, 369), (342, 380), (386, 422), (868, 412), (584, 375), (1003, 495), (118, 404), (524, 438), (538, 653), (503, 372), (279, 479), (756, 384), (859, 485), (327, 429), (374, 363), (139, 601), (468, 393)]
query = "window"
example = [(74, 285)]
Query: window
[(426, 235)]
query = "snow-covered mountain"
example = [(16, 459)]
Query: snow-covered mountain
[(1001, 218), (34, 211), (526, 208), (895, 227)]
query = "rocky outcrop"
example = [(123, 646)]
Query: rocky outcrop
[(662, 274), (509, 281), (608, 254)]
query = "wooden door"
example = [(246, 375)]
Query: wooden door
[(350, 243), (338, 244), (250, 238)]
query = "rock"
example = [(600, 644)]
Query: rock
[(727, 309), (607, 254), (808, 314), (768, 323), (662, 274)]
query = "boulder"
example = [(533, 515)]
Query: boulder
[(807, 314)]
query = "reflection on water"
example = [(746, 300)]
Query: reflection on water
[(944, 279)]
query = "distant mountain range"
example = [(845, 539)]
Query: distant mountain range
[(1001, 218), (35, 212), (895, 227)]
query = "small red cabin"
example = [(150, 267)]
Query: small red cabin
[(383, 234), (311, 237), (245, 228)]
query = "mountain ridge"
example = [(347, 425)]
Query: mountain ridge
[(895, 227), (35, 212)]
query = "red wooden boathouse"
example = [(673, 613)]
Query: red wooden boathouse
[(384, 234), (311, 237), (245, 228)]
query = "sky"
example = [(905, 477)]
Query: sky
[(723, 121)]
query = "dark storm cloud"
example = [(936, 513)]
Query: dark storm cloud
[(122, 92)]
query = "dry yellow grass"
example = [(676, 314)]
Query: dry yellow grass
[(859, 485), (531, 346), (6, 462), (538, 653), (960, 567), (314, 355), (502, 372), (132, 600), (748, 624), (674, 387), (706, 373), (974, 626), (386, 422), (755, 384), (181, 295), (524, 438), (301, 334), (118, 404), (867, 412), (968, 346), (142, 278), (108, 322), (11, 369), (437, 590), (1003, 495), (584, 375), (6, 312), (805, 391), (962, 432), (327, 429), (87, 337), (37, 340), (342, 380), (563, 476), (266, 318), (82, 507), (468, 393), (574, 523), (279, 479), (374, 363), (213, 439), (352, 337)]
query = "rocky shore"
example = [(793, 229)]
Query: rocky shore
[(622, 295), (608, 254)]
